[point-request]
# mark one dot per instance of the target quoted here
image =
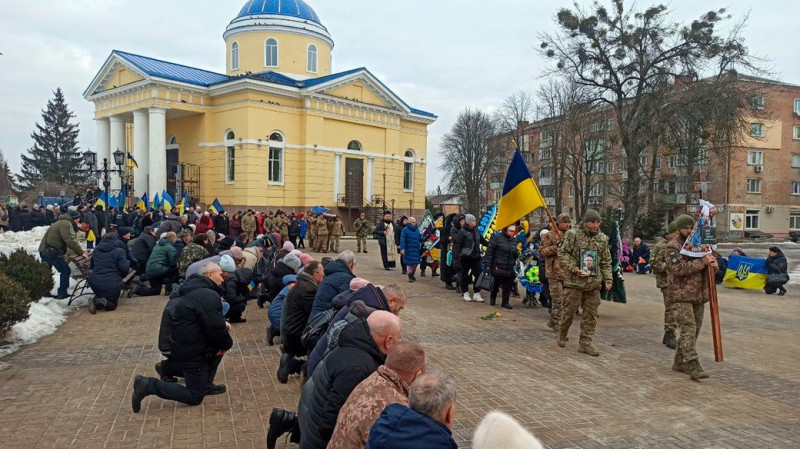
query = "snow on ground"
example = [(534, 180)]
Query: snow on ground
[(47, 313)]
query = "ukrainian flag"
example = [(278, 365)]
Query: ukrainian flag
[(216, 207), (187, 202), (520, 193), (167, 201), (102, 200), (746, 272), (143, 204), (181, 206), (132, 162), (157, 202)]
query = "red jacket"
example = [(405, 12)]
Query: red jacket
[(203, 225)]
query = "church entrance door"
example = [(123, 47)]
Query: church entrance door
[(173, 175), (354, 182)]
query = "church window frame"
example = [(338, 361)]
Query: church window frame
[(275, 158), (271, 52), (355, 145), (408, 171), (230, 157), (234, 56), (312, 58)]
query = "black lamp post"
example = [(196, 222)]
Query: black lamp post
[(410, 207), (392, 208), (90, 159)]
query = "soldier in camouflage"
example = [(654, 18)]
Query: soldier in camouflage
[(688, 285), (281, 225), (192, 253), (311, 222), (586, 260), (322, 234), (249, 224), (554, 270), (658, 262), (337, 231), (362, 229)]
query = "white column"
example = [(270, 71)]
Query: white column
[(157, 143), (117, 143), (141, 151), (370, 178), (103, 143), (337, 172)]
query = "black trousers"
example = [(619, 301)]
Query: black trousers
[(302, 243), (156, 283), (470, 270), (198, 377), (504, 282), (384, 255)]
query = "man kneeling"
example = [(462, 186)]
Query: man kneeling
[(200, 336)]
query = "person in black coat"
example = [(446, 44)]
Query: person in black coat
[(294, 317), (236, 293), (362, 347), (274, 284), (199, 337), (102, 222), (25, 219), (399, 225), (142, 247), (777, 272), (381, 229), (467, 247), (459, 221), (109, 266), (500, 261), (15, 219)]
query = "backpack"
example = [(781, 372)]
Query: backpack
[(316, 327)]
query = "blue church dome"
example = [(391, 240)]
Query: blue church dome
[(292, 8)]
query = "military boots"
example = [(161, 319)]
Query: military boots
[(669, 339), (588, 348), (677, 365), (694, 370)]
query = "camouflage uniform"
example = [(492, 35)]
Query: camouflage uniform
[(322, 234), (362, 228), (249, 226), (658, 262), (555, 276), (689, 291), (311, 224), (337, 231), (282, 228), (578, 291), (191, 254)]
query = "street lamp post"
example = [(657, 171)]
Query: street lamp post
[(119, 159), (410, 207), (392, 208)]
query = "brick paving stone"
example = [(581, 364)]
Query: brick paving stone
[(72, 389)]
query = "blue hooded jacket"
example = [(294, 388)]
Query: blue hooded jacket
[(400, 427), (337, 279), (410, 243), (274, 311)]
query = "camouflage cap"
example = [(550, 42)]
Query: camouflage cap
[(672, 228), (564, 218)]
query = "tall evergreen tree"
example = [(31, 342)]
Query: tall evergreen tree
[(55, 155), (7, 184)]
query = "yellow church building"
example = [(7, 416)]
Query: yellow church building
[(278, 129)]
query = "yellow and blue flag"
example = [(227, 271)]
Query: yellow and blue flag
[(746, 272), (187, 202), (143, 204), (251, 286), (520, 193), (167, 201), (216, 207), (132, 162), (102, 200), (181, 206), (157, 202)]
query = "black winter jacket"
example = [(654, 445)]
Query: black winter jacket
[(171, 224), (336, 376), (501, 255), (109, 263), (297, 307), (198, 327), (275, 279), (465, 239), (142, 247), (236, 286)]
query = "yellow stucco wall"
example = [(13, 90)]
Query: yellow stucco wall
[(357, 92), (122, 77), (292, 53)]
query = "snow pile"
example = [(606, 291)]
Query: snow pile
[(46, 314), (794, 277)]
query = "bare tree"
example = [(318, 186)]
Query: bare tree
[(628, 60), (468, 156), (516, 110)]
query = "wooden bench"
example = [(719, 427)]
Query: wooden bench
[(84, 265)]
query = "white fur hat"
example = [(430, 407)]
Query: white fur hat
[(498, 430)]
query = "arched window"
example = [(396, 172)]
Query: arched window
[(235, 56), (271, 53), (354, 145), (275, 163), (312, 59), (172, 143), (230, 157), (408, 171)]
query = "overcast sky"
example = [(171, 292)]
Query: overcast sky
[(439, 56)]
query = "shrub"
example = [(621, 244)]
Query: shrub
[(14, 304), (36, 277)]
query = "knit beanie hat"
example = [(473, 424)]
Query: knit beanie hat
[(226, 243), (590, 216), (684, 221), (288, 246), (357, 284), (672, 228), (123, 231), (498, 430), (237, 253), (291, 261), (564, 218), (227, 264), (469, 218), (306, 259), (296, 252)]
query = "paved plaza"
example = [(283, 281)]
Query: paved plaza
[(72, 389)]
